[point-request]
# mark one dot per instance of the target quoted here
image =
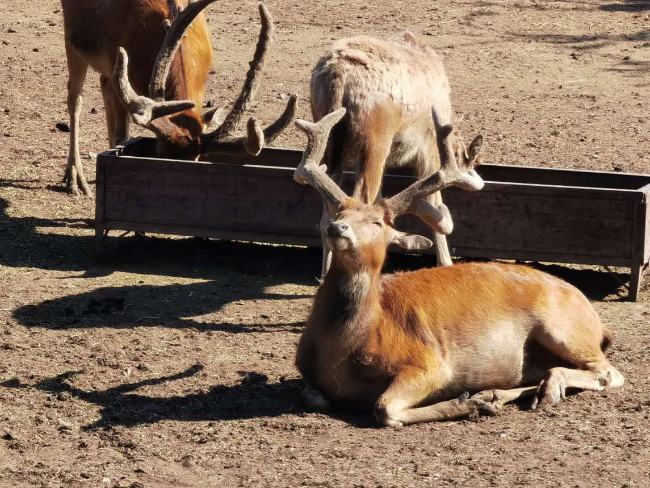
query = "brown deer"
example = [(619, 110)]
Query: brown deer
[(413, 344), (388, 89), (170, 57)]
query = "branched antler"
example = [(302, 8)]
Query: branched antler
[(175, 32), (310, 171), (143, 109), (218, 136), (449, 174), (255, 138)]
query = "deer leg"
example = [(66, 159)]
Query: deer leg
[(498, 398), (325, 220), (109, 107), (597, 377), (117, 117), (436, 215), (77, 69), (397, 406), (577, 343)]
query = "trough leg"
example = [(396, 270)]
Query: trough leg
[(636, 276), (100, 236)]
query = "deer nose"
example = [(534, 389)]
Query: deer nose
[(336, 229)]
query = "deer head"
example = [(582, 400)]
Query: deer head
[(360, 234), (180, 131)]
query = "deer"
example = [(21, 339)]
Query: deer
[(388, 88), (439, 343), (162, 88)]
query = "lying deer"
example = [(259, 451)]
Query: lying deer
[(410, 343), (388, 89), (170, 62)]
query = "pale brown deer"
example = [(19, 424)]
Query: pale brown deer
[(388, 88), (170, 55), (414, 345)]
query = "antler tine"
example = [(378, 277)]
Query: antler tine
[(309, 171), (274, 130), (143, 110), (239, 108), (449, 174), (173, 40), (255, 139)]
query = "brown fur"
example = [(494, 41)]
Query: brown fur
[(405, 340), (94, 30)]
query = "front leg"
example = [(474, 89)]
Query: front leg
[(487, 402), (398, 405)]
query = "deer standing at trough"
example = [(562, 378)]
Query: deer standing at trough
[(170, 57), (388, 89), (412, 345)]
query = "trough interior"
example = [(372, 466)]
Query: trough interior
[(290, 158)]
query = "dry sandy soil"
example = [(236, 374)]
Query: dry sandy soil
[(170, 363)]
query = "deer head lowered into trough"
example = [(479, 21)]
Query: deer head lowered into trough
[(170, 53), (413, 345), (388, 88)]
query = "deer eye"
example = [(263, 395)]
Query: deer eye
[(380, 224)]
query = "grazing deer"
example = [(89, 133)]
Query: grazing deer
[(170, 61), (410, 343), (388, 89)]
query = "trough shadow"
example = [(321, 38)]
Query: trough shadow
[(254, 397), (232, 271), (627, 6), (171, 306)]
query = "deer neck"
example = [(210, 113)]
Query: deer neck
[(349, 302)]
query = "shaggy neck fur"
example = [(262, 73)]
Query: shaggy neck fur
[(350, 301)]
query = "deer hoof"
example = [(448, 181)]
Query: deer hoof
[(551, 391)]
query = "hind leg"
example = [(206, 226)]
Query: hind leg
[(436, 215), (597, 377), (574, 333)]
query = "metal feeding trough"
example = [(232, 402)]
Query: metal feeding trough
[(523, 213)]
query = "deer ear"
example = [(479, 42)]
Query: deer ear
[(475, 147), (411, 241)]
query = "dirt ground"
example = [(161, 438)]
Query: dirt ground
[(170, 363)]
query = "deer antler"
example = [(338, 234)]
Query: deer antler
[(175, 32), (255, 138), (309, 171), (449, 174), (143, 109)]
